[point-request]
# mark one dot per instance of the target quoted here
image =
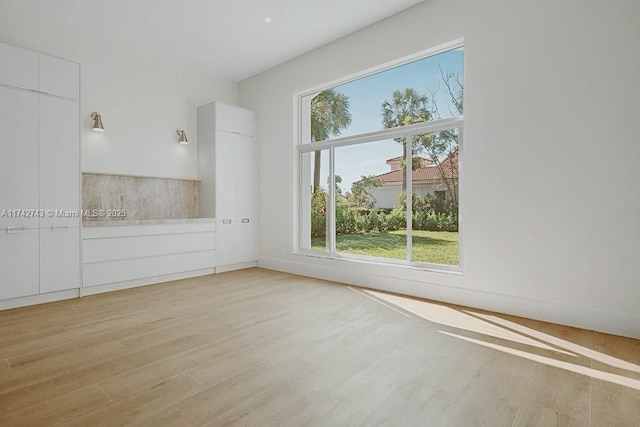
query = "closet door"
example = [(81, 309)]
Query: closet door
[(244, 122), (18, 262), (18, 158), (246, 198), (246, 237), (18, 67), (59, 77), (59, 161), (245, 174), (225, 162), (226, 194), (59, 259), (227, 245), (226, 118)]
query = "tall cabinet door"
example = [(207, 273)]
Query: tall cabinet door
[(59, 259), (18, 67), (59, 161), (225, 153), (18, 263), (59, 77), (246, 236), (245, 122), (18, 157), (245, 176), (245, 203), (227, 245)]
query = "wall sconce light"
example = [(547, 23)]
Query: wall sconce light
[(97, 122), (182, 137)]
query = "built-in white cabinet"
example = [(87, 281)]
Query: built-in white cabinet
[(19, 252), (117, 257), (229, 118), (59, 77), (227, 171), (18, 158), (18, 67), (59, 161), (59, 258), (40, 174)]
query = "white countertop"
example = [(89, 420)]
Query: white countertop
[(119, 222)]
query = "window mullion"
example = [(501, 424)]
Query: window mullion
[(408, 159), (331, 214)]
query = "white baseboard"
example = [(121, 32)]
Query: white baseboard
[(39, 299), (233, 267), (110, 287), (582, 317)]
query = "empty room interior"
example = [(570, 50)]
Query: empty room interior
[(319, 213)]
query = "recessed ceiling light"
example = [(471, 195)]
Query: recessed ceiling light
[(267, 20)]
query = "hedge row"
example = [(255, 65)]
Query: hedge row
[(351, 222)]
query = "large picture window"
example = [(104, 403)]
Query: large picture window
[(379, 165)]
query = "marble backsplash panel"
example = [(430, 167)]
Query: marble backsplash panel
[(114, 197)]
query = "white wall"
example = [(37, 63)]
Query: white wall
[(143, 98), (550, 200)]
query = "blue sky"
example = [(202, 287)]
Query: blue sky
[(368, 94)]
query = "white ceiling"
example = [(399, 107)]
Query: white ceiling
[(230, 38)]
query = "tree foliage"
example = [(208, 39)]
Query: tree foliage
[(330, 115), (406, 107), (361, 192)]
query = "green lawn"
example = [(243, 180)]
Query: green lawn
[(438, 247)]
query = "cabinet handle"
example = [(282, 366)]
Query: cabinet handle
[(16, 229), (226, 221), (60, 227), (245, 220)]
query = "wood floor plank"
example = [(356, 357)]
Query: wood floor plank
[(274, 407), (58, 409), (264, 348), (552, 387), (128, 383), (614, 405), (33, 391), (5, 369), (223, 397), (151, 400)]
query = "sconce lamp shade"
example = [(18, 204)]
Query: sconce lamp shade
[(97, 122), (182, 137)]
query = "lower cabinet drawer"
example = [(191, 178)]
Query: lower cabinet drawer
[(109, 258), (188, 242), (180, 263), (119, 248), (101, 273)]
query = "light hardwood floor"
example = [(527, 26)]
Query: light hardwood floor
[(257, 347)]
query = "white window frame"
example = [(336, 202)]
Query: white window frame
[(303, 145)]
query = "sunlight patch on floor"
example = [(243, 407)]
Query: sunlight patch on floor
[(364, 294), (497, 327), (583, 370), (450, 317), (581, 350)]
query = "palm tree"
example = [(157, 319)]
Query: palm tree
[(405, 108), (330, 115), (408, 107)]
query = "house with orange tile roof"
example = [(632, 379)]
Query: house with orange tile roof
[(427, 178)]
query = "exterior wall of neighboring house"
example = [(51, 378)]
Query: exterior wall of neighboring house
[(426, 180), (387, 194)]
